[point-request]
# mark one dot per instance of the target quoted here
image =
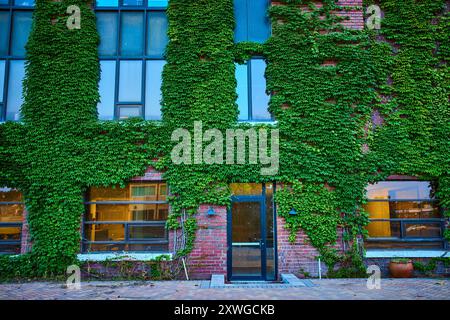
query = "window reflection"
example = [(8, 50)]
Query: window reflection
[(11, 218), (118, 217), (403, 211)]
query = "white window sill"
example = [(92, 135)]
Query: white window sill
[(406, 253), (270, 123), (121, 256)]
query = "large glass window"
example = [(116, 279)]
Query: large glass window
[(403, 214), (11, 217), (132, 46), (253, 100), (127, 219), (15, 26), (252, 20)]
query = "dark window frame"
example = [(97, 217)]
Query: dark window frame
[(127, 224), (10, 8), (11, 225), (118, 57), (250, 118), (404, 221)]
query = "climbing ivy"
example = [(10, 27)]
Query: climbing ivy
[(326, 84)]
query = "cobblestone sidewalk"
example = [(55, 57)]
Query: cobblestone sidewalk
[(326, 289)]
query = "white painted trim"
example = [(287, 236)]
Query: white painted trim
[(121, 256), (406, 253), (270, 123)]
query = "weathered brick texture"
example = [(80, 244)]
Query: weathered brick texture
[(210, 250)]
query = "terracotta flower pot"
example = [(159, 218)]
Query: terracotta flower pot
[(401, 269)]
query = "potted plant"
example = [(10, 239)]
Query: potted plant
[(401, 268)]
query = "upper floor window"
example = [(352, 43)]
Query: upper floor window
[(15, 26), (127, 219), (252, 20), (133, 3), (403, 214), (131, 50), (253, 100), (11, 218)]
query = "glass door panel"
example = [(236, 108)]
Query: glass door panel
[(246, 239)]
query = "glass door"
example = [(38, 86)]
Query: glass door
[(251, 250)]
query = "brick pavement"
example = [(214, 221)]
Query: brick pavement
[(325, 289)]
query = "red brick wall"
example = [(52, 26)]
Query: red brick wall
[(210, 249), (299, 257), (25, 242)]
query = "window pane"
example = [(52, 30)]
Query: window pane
[(260, 99), (149, 212), (21, 30), (105, 232), (2, 78), (413, 210), (10, 195), (11, 213), (153, 94), (394, 190), (126, 112), (10, 248), (144, 192), (132, 192), (106, 88), (109, 194), (157, 34), (107, 3), (107, 29), (4, 26), (28, 3), (132, 34), (158, 3), (258, 20), (9, 233), (127, 212), (384, 229), (240, 16), (147, 232), (16, 75), (242, 90), (108, 212), (130, 81), (423, 230), (4, 1), (133, 2)]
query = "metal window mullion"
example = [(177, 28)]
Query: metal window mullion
[(7, 66), (144, 62), (263, 218), (118, 52)]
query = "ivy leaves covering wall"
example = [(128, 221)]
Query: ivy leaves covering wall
[(415, 135), (60, 149), (325, 80)]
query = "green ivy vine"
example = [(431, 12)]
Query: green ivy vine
[(325, 81)]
